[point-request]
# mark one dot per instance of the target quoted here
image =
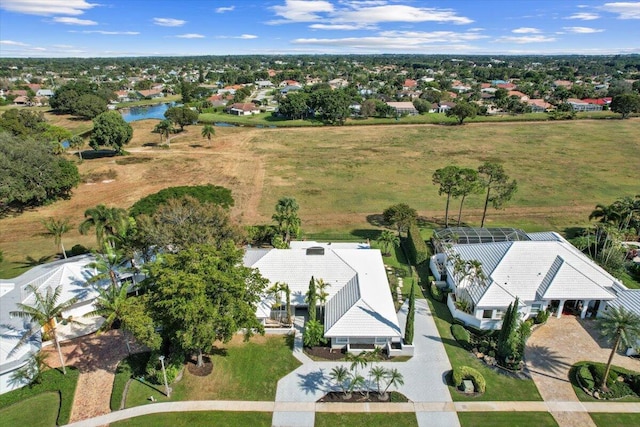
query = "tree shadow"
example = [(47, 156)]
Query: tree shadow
[(572, 232), (151, 144), (312, 381), (591, 327), (98, 154), (543, 361), (32, 262), (369, 233)]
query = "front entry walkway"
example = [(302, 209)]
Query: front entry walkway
[(424, 379), (551, 351)]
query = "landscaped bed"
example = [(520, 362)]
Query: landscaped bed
[(338, 396), (623, 384)]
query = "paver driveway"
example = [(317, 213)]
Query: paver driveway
[(551, 351)]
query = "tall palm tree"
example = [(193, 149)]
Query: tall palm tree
[(322, 295), (388, 240), (106, 221), (357, 360), (378, 373), (164, 128), (340, 375), (287, 217), (56, 228), (108, 264), (110, 304), (619, 325), (43, 314), (207, 132), (276, 289)]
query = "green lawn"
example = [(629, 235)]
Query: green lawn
[(329, 419), (192, 419), (242, 371), (38, 411), (499, 387), (52, 381), (506, 419), (133, 366), (615, 420)]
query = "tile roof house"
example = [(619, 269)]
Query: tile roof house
[(244, 109), (359, 308), (403, 108), (409, 84), (579, 105), (544, 272), (150, 94)]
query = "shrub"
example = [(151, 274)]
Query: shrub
[(598, 374), (78, 250), (203, 193), (437, 293), (313, 333), (172, 365), (417, 248), (409, 329), (461, 373), (461, 335), (585, 377), (541, 317)]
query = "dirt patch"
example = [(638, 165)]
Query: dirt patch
[(326, 353), (200, 371)]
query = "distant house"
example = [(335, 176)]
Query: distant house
[(44, 92), (290, 88), (538, 105), (562, 83), (338, 83), (220, 99), (285, 83), (359, 311), (150, 94), (507, 86), (262, 84), (597, 101), (579, 105), (402, 108), (122, 96), (243, 109), (443, 107), (409, 84), (521, 96)]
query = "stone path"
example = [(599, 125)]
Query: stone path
[(551, 351), (96, 357)]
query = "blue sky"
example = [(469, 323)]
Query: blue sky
[(85, 28)]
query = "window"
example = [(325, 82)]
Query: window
[(381, 341), (487, 314), (342, 340), (499, 314), (535, 308)]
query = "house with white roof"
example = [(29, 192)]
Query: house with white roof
[(71, 275), (359, 310), (543, 270)]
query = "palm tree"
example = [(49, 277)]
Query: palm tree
[(56, 228), (107, 222), (620, 325), (43, 315), (378, 373), (394, 378), (108, 265), (207, 132), (388, 240), (110, 304), (287, 217), (357, 360), (165, 127), (340, 375), (76, 142), (322, 295), (283, 287)]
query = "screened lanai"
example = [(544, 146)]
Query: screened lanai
[(468, 235)]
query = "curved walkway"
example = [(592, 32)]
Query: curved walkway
[(551, 351)]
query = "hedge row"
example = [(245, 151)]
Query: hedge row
[(203, 193), (461, 335), (461, 373), (417, 248), (437, 293)]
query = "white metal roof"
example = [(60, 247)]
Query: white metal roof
[(629, 299), (535, 270), (359, 302)]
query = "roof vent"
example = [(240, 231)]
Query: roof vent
[(315, 250)]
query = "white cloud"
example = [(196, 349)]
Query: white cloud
[(47, 7), (339, 27), (38, 49), (301, 10), (526, 30), (169, 22), (242, 37), (584, 16), (434, 36), (73, 21), (398, 13), (190, 36), (582, 30), (625, 10), (526, 39), (108, 33), (225, 9), (12, 43)]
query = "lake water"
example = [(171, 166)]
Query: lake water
[(147, 112)]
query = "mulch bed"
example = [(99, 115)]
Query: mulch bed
[(200, 371), (325, 352), (357, 397)]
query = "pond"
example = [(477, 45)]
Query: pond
[(145, 112)]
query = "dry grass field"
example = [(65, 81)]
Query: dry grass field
[(340, 175)]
